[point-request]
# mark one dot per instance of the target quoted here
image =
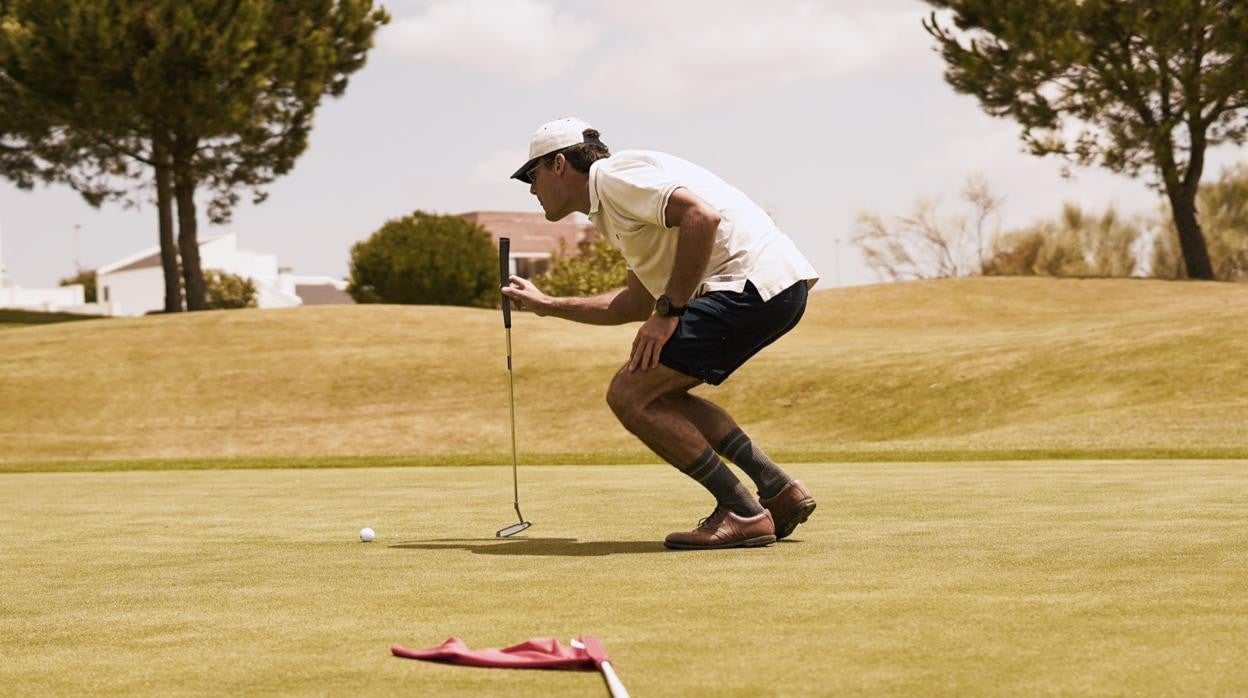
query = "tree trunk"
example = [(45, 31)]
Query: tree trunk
[(164, 206), (1191, 239), (184, 185)]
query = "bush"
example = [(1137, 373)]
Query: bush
[(226, 291), (927, 244), (426, 259), (1075, 244), (85, 277), (596, 268)]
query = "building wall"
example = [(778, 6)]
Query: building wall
[(262, 269), (133, 292), (140, 291), (223, 254), (42, 299)]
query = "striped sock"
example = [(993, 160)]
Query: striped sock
[(729, 493), (738, 448)]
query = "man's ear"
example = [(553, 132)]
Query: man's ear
[(559, 164)]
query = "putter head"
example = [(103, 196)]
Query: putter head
[(512, 529)]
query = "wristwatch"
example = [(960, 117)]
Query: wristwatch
[(665, 308)]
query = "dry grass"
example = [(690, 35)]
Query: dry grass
[(997, 366)]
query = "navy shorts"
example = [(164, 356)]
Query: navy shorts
[(721, 330)]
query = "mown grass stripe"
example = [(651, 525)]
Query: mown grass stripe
[(609, 458)]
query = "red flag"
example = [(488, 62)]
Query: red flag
[(538, 653), (586, 652)]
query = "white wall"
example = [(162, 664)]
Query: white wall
[(42, 299), (139, 291), (133, 292), (223, 254)]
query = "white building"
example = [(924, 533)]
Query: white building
[(135, 285)]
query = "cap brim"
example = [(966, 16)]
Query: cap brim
[(522, 174)]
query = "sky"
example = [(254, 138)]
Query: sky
[(817, 110)]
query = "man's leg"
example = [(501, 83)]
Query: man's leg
[(788, 500), (720, 430), (639, 401)]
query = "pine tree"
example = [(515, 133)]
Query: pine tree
[(197, 93), (1126, 85)]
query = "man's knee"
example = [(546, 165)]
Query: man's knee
[(626, 402), (620, 400)]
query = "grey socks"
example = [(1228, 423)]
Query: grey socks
[(711, 472), (738, 448)]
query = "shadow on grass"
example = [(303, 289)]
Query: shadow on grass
[(535, 546)]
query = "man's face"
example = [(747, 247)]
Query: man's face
[(549, 188)]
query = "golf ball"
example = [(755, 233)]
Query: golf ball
[(367, 535)]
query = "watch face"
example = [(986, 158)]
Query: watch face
[(664, 306)]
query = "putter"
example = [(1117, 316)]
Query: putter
[(504, 274)]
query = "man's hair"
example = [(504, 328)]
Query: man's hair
[(582, 155)]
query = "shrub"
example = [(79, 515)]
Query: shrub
[(86, 277), (225, 291), (927, 244), (596, 268), (425, 258), (1074, 244)]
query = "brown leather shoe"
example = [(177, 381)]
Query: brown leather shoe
[(725, 529), (791, 506)]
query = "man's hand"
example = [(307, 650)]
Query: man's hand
[(525, 296), (650, 340)]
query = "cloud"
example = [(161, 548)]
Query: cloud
[(524, 39), (699, 50)]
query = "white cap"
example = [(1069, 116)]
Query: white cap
[(552, 136)]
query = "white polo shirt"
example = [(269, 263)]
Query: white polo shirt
[(628, 194)]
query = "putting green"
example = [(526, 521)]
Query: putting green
[(923, 579)]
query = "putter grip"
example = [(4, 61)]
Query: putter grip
[(504, 273)]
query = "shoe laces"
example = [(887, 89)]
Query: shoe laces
[(717, 513)]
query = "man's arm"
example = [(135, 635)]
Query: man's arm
[(697, 222), (629, 304)]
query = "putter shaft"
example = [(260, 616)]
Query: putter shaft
[(511, 395), (504, 269)]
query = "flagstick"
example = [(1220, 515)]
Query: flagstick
[(613, 682), (614, 685)]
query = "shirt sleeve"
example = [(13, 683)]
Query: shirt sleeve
[(639, 191)]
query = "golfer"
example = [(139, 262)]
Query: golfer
[(714, 281)]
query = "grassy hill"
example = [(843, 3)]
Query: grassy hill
[(973, 367), (21, 318)]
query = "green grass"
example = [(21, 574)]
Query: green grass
[(1015, 368), (180, 496), (1036, 578), (10, 318), (600, 458)]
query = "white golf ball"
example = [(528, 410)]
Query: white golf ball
[(367, 535)]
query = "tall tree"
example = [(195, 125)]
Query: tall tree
[(241, 81), (208, 94), (69, 113), (1126, 85)]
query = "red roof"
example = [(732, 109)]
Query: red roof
[(531, 233)]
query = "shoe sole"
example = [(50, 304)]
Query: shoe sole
[(786, 528), (756, 542)]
